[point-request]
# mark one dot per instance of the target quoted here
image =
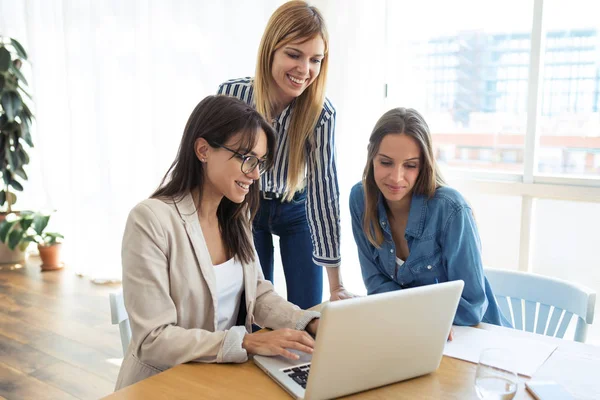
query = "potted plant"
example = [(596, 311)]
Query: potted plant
[(15, 130), (17, 231)]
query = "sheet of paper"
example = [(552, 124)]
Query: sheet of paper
[(576, 372), (528, 354)]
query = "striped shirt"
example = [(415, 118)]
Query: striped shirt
[(322, 191)]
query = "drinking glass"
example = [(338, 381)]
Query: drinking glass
[(495, 378)]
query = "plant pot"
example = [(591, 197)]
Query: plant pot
[(50, 256), (8, 256)]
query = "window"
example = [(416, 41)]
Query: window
[(571, 117), (533, 179), (482, 92), (504, 222)]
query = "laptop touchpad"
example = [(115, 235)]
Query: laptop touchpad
[(286, 362), (304, 357)]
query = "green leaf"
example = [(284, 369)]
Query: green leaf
[(25, 242), (26, 223), (12, 104), (2, 82), (2, 197), (27, 112), (40, 222), (6, 177), (20, 172), (5, 227), (20, 50), (16, 185), (51, 238), (24, 92), (14, 131), (14, 237), (23, 156), (11, 198), (5, 61), (27, 134), (26, 129), (18, 73)]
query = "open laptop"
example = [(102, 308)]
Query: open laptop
[(371, 341)]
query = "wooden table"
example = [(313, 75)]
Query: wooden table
[(454, 379)]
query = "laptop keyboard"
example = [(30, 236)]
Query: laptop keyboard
[(299, 374)]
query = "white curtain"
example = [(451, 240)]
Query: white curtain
[(115, 81), (356, 85)]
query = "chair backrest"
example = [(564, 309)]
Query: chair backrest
[(118, 315), (556, 298)]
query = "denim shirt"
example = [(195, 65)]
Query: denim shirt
[(443, 245)]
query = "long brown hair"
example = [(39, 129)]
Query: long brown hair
[(293, 21), (216, 119), (397, 121)]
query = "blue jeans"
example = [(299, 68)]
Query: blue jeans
[(303, 278)]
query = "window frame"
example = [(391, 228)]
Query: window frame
[(530, 185)]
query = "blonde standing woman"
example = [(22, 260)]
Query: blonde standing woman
[(300, 195)]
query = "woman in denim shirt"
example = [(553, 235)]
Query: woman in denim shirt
[(409, 228)]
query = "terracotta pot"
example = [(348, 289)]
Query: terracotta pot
[(8, 256), (50, 256)]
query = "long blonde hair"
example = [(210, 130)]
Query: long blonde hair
[(293, 21), (409, 122)]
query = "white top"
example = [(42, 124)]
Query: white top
[(230, 284), (399, 262)]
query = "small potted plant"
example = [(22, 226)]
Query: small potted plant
[(19, 230)]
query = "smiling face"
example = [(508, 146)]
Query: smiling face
[(295, 67), (223, 167), (396, 166)]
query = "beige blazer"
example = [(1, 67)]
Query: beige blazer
[(171, 296)]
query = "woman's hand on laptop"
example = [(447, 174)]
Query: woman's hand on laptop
[(341, 293), (277, 343), (451, 335), (336, 287)]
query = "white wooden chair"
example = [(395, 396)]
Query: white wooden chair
[(556, 298), (118, 315)]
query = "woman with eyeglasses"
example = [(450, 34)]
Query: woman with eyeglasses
[(300, 195), (192, 283)]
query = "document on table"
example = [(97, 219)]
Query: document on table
[(578, 373), (528, 355)]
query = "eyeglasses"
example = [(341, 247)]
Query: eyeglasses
[(249, 163)]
